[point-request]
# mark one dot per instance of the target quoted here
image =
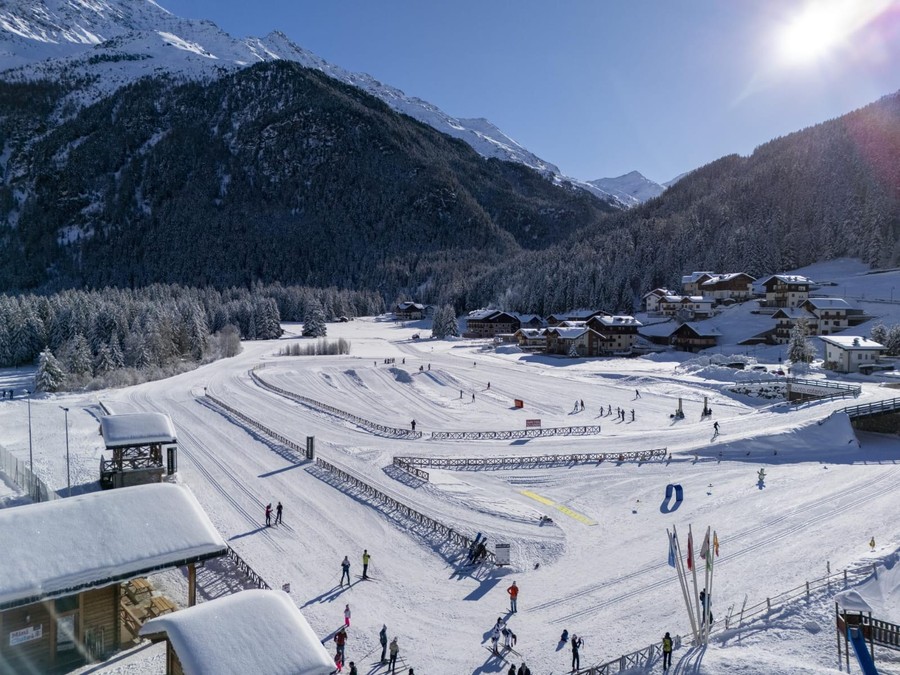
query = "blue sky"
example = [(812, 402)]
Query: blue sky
[(598, 87)]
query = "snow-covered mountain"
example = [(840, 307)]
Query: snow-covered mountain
[(108, 44), (631, 189)]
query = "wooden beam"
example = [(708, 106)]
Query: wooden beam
[(192, 584)]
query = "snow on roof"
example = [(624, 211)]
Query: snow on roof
[(136, 429), (568, 332), (687, 298), (794, 313), (410, 305), (252, 631), (481, 314), (618, 320), (700, 330), (526, 318), (719, 278), (828, 303), (851, 342), (531, 332), (577, 314), (852, 601), (659, 291), (786, 278), (694, 276), (93, 540)]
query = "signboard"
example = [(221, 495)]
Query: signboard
[(518, 403), (17, 637), (810, 389), (532, 423), (286, 587), (501, 554)]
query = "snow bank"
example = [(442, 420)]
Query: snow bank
[(136, 429), (880, 594), (249, 632)]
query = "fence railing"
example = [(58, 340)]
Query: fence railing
[(448, 533), (380, 429), (257, 425), (876, 408), (512, 462), (18, 472), (410, 468), (628, 661), (537, 432), (248, 571)]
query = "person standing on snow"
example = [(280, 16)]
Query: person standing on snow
[(667, 651), (382, 638), (513, 596), (495, 638), (278, 510), (347, 615), (353, 670), (577, 643), (268, 515), (345, 571), (366, 557), (340, 640), (637, 394), (394, 650)]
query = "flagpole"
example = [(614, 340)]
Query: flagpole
[(711, 567), (693, 567), (707, 583), (682, 580)]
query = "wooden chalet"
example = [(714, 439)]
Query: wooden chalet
[(531, 321), (620, 332), (831, 314), (691, 337), (650, 301), (253, 631), (139, 444), (574, 341), (690, 283), (685, 307), (851, 353), (409, 311), (558, 318), (487, 323), (785, 320), (785, 290), (736, 286), (531, 339), (63, 597)]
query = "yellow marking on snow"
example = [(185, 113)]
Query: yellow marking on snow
[(581, 518)]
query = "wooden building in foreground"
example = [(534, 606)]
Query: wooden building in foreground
[(252, 631), (64, 563)]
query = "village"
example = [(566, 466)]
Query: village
[(679, 320)]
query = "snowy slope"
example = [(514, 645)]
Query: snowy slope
[(632, 188), (114, 42), (828, 491)]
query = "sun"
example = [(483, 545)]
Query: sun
[(815, 32)]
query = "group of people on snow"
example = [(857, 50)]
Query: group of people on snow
[(278, 510)]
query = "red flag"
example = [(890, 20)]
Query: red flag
[(690, 553)]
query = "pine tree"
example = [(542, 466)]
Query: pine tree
[(78, 356), (444, 323), (879, 333), (800, 348), (50, 375), (314, 321)]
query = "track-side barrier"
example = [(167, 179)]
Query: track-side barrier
[(512, 462), (870, 409), (537, 432), (374, 427), (429, 523), (259, 427), (248, 571)]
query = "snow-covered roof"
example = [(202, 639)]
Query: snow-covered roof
[(136, 429), (687, 298), (403, 306), (252, 631), (531, 333), (527, 318), (794, 313), (568, 332), (693, 277), (852, 601), (572, 324), (785, 278), (583, 314), (719, 278), (618, 320), (855, 342), (659, 292), (828, 303), (700, 330), (56, 548), (481, 314)]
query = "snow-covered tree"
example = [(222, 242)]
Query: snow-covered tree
[(444, 323), (892, 340), (800, 348), (314, 321), (880, 333), (78, 357), (50, 375)]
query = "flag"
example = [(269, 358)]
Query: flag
[(716, 543), (704, 549), (690, 553), (672, 549)]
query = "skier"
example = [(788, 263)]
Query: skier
[(347, 615), (489, 385), (582, 404), (460, 393), (429, 366), (413, 425), (340, 639), (506, 633), (716, 428), (513, 596), (872, 543), (577, 643), (353, 670), (564, 637), (382, 638), (268, 515), (278, 510), (637, 394), (575, 407), (632, 414), (495, 637), (473, 397), (394, 650), (667, 652), (345, 571), (366, 559), (480, 552), (609, 412)]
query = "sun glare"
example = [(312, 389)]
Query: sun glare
[(824, 26)]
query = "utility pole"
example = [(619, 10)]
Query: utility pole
[(68, 475)]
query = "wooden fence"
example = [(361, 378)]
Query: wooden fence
[(868, 409), (248, 571), (374, 427), (430, 524), (535, 432)]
